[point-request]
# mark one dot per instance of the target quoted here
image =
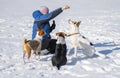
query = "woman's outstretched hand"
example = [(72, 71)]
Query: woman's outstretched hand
[(65, 7)]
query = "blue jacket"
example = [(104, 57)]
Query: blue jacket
[(43, 20)]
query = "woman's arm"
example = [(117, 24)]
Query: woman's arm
[(51, 15)]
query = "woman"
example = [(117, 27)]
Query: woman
[(41, 21)]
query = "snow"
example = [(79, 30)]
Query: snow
[(100, 24)]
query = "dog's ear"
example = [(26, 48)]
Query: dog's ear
[(65, 35), (78, 23), (61, 34), (57, 34)]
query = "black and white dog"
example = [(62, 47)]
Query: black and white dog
[(59, 57)]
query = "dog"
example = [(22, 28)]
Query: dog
[(59, 57), (35, 45), (79, 41)]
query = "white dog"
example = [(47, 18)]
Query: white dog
[(79, 41)]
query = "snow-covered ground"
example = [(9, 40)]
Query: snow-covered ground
[(100, 24)]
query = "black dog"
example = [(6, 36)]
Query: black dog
[(59, 57)]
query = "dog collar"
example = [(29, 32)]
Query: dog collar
[(72, 34)]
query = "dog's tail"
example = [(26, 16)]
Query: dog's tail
[(24, 40), (99, 54), (58, 67)]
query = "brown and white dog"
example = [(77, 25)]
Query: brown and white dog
[(35, 45), (59, 57), (79, 41)]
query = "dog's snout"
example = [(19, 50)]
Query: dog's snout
[(38, 53), (69, 21)]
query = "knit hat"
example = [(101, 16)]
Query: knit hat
[(44, 9)]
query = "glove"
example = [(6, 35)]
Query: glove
[(53, 26)]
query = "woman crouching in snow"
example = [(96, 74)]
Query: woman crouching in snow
[(41, 21)]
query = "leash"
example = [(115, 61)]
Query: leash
[(72, 34)]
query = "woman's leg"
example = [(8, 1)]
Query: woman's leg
[(52, 46), (49, 44)]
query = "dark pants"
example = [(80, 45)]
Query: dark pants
[(50, 45)]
